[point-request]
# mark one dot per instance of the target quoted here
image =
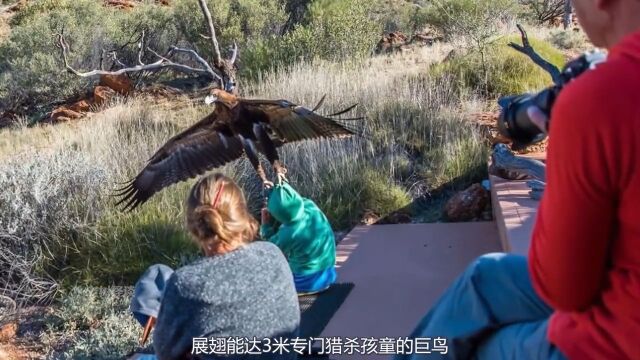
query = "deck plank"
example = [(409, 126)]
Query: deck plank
[(399, 271)]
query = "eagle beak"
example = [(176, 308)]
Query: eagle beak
[(210, 99)]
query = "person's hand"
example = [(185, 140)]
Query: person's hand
[(538, 118), (265, 215)]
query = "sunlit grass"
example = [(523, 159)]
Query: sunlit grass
[(414, 140)]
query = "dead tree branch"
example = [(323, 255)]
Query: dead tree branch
[(219, 69), (141, 47), (217, 61), (163, 62), (528, 50)]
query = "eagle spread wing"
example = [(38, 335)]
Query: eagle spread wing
[(204, 146), (290, 122), (211, 143)]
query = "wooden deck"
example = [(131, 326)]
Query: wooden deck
[(514, 211), (399, 271)]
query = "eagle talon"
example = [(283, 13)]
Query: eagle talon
[(282, 177), (266, 184)]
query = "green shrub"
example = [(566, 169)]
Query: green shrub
[(95, 323), (333, 30), (478, 20), (239, 21), (31, 70), (344, 28), (367, 189), (402, 16), (569, 39), (508, 72)]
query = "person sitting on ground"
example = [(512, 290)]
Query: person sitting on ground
[(240, 288), (577, 294), (303, 233)]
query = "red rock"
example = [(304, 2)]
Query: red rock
[(121, 4), (102, 94), (63, 114), (17, 6), (8, 332), (391, 42), (80, 106), (120, 83), (369, 218), (467, 205)]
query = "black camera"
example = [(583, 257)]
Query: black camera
[(515, 124)]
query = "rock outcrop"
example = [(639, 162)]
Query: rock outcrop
[(109, 87), (468, 205)]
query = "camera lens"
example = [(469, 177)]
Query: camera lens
[(514, 122)]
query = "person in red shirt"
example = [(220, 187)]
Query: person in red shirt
[(577, 295)]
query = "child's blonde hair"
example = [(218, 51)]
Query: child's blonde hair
[(217, 213)]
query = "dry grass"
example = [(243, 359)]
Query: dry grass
[(5, 16), (59, 221)]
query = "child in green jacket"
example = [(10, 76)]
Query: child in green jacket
[(303, 233)]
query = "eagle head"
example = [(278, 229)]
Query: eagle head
[(221, 96)]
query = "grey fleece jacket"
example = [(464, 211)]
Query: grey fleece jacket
[(246, 293)]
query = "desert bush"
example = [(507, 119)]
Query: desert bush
[(333, 30), (503, 71), (31, 70), (402, 16), (478, 20), (543, 11), (478, 23), (47, 201), (344, 28), (92, 323), (240, 21), (569, 40)]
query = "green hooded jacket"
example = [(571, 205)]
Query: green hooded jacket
[(300, 230)]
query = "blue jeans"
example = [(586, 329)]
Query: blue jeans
[(490, 312), (317, 281)]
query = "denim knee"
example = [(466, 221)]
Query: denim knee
[(494, 266)]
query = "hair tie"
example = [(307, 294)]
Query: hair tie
[(217, 198)]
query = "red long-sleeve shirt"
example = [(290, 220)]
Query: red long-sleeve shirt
[(584, 258)]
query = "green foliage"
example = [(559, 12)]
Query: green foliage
[(96, 323), (569, 40), (368, 189), (542, 11), (508, 72), (478, 20), (31, 70), (401, 16), (343, 28), (240, 21), (333, 30), (125, 244)]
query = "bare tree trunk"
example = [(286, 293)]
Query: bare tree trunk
[(217, 60), (568, 11)]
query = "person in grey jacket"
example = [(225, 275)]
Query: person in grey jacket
[(241, 292)]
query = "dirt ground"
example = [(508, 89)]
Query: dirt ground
[(20, 336)]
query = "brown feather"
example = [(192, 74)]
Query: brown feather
[(213, 141)]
